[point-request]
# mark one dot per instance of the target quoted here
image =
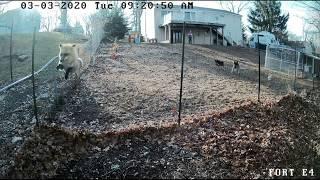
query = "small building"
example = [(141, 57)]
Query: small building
[(292, 62), (302, 46), (265, 39), (208, 26)]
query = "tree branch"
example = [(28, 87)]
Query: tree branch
[(4, 2)]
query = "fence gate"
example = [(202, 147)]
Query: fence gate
[(282, 59)]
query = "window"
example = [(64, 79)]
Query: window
[(187, 15), (193, 15)]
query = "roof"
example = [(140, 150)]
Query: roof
[(196, 23), (298, 44), (210, 9)]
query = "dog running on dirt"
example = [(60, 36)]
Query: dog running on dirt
[(236, 67), (219, 63), (69, 60)]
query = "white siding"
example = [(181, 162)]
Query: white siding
[(232, 29), (148, 24)]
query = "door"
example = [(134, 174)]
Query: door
[(177, 36)]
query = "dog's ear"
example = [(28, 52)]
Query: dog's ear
[(60, 45), (73, 45)]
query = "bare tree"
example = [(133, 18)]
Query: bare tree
[(234, 6), (46, 23), (312, 19), (87, 25), (3, 5), (313, 8)]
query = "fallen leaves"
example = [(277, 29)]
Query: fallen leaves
[(244, 147)]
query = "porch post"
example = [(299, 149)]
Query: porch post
[(165, 32), (210, 35), (222, 36), (217, 36), (169, 28)]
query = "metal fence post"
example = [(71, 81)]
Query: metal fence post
[(35, 110), (11, 74), (266, 61), (259, 68), (312, 73), (281, 59), (182, 62), (295, 70)]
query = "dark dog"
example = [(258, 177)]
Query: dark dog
[(236, 67), (219, 63)]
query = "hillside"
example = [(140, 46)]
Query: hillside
[(120, 121), (47, 46)]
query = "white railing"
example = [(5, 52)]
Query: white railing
[(178, 16)]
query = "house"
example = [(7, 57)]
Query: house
[(208, 26)]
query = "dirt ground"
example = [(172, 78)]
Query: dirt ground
[(17, 117), (142, 87), (120, 120), (243, 142)]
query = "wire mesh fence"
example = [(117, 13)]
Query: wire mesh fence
[(139, 85), (117, 93), (16, 109), (6, 52), (208, 87), (300, 70), (19, 108)]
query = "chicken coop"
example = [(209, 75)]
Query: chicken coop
[(292, 62)]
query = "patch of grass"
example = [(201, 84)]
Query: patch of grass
[(46, 47)]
